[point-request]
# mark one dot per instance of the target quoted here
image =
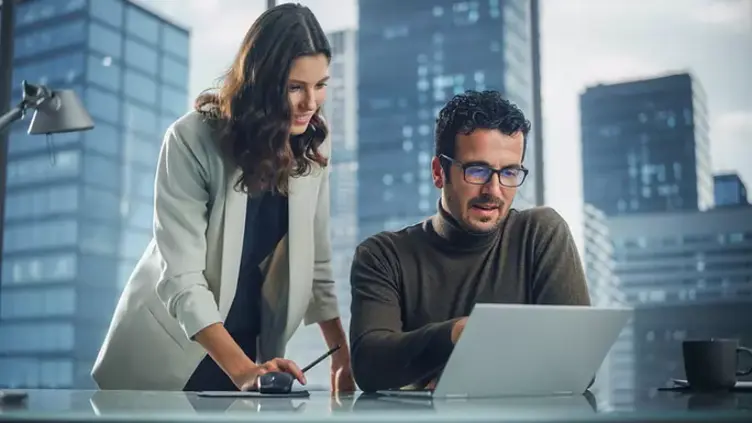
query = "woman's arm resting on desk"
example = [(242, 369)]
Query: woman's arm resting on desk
[(180, 221)]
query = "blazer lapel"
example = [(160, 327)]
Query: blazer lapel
[(232, 243)]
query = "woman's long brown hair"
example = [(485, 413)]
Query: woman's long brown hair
[(251, 109)]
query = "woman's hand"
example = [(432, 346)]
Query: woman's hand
[(247, 380)]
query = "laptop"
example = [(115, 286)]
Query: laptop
[(527, 350)]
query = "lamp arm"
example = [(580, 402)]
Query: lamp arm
[(14, 114)]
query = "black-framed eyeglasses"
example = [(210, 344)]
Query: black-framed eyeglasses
[(478, 174)]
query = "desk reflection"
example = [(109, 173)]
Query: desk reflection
[(60, 405), (569, 405)]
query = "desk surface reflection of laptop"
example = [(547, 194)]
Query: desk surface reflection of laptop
[(512, 349)]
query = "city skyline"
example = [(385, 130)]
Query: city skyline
[(635, 41)]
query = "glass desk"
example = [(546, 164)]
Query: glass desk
[(122, 406)]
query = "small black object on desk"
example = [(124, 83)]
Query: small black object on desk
[(275, 383), (281, 382), (12, 397)]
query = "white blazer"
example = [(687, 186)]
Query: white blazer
[(187, 277)]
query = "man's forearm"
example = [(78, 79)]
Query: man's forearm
[(392, 360), (334, 334)]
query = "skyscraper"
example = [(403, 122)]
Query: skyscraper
[(645, 146), (79, 216), (413, 57), (729, 190)]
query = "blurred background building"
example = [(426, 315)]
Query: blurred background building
[(645, 146), (729, 190), (647, 178), (79, 216), (413, 58)]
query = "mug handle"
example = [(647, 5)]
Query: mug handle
[(749, 370)]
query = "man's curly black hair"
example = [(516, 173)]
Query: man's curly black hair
[(471, 110)]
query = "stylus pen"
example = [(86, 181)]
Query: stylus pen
[(318, 360)]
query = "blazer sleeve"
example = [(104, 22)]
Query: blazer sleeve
[(323, 304), (180, 221)]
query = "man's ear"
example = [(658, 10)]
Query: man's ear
[(437, 172)]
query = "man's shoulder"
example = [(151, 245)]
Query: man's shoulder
[(542, 217), (540, 224), (389, 243)]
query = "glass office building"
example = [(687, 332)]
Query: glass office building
[(729, 190), (413, 57), (79, 216), (645, 146)]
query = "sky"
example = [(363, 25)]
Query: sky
[(583, 42)]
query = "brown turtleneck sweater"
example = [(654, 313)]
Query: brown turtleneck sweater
[(409, 287)]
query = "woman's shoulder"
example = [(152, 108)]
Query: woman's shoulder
[(194, 126), (194, 131)]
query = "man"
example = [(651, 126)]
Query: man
[(412, 289)]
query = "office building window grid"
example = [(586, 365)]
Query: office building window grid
[(80, 216)]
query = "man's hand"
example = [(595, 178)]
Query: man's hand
[(457, 329), (341, 374)]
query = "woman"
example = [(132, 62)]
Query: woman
[(229, 276)]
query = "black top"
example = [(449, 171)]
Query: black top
[(266, 223)]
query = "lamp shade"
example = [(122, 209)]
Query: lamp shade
[(61, 112)]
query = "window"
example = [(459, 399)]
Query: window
[(138, 214), (141, 25), (141, 57), (105, 40), (102, 71), (31, 372), (42, 10), (100, 239), (100, 204), (140, 119), (40, 169), (164, 122), (139, 184), (101, 172), (42, 202), (39, 269), (21, 142), (139, 150), (50, 38), (103, 138), (140, 88), (36, 337), (36, 302), (40, 235), (66, 68), (133, 243), (102, 104), (174, 101), (109, 11), (175, 41), (174, 72)]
